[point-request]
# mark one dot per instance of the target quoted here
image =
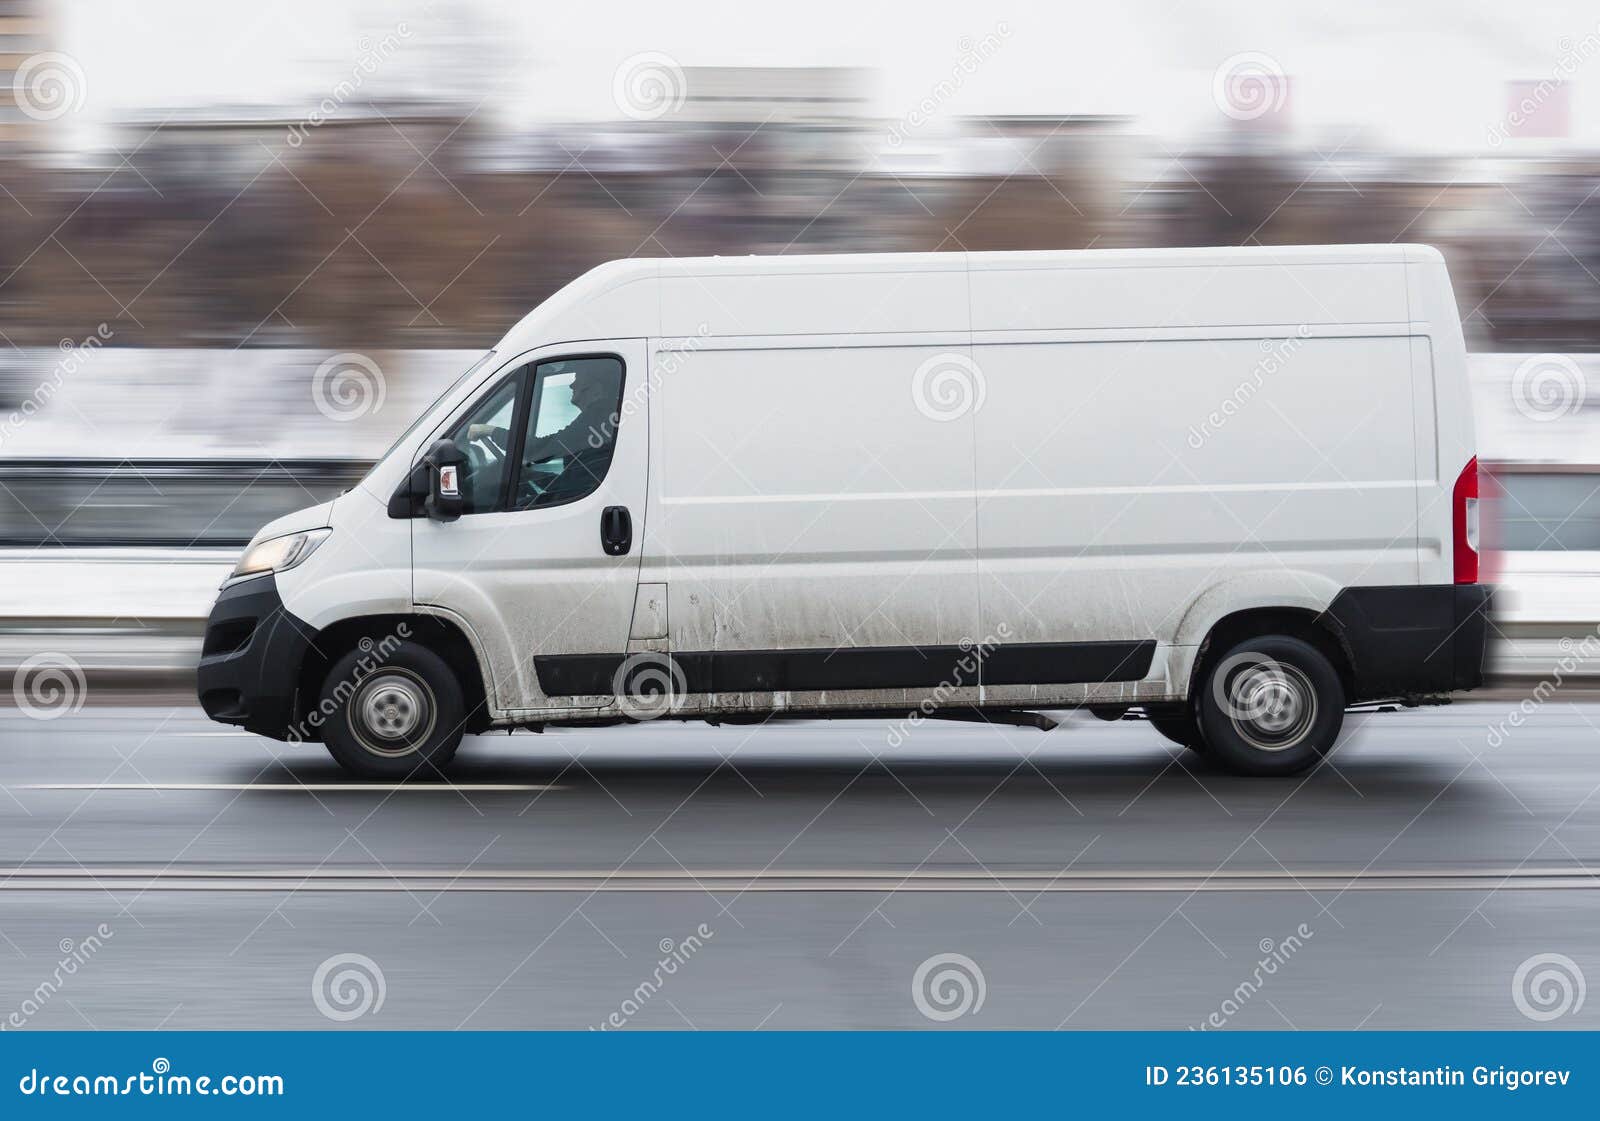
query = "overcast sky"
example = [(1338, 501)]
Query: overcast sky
[(1422, 74)]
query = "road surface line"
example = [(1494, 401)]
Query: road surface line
[(39, 878), (314, 787)]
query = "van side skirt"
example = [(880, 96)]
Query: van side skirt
[(873, 667)]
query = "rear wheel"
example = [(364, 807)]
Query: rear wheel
[(392, 717), (1271, 706)]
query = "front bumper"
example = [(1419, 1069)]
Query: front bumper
[(250, 664), (1424, 640)]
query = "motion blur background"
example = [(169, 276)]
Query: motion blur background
[(242, 245)]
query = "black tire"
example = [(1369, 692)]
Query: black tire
[(393, 716), (1178, 724), (1271, 706)]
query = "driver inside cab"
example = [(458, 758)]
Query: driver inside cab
[(572, 423)]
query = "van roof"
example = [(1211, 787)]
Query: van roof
[(618, 300), (1200, 256)]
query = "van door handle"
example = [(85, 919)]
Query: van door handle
[(616, 531)]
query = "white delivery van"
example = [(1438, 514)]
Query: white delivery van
[(1232, 488)]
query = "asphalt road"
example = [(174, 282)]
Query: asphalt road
[(798, 875)]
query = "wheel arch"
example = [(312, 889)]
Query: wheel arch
[(1314, 627), (437, 633)]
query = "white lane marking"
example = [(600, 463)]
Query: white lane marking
[(313, 787), (676, 880), (212, 735)]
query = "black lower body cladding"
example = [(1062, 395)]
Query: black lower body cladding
[(872, 667), (1419, 640), (250, 664)]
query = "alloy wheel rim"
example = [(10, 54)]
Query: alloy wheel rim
[(1274, 705), (394, 713)]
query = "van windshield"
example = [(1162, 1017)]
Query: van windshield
[(425, 413)]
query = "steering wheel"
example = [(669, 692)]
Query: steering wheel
[(482, 463)]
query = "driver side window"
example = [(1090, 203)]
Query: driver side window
[(571, 430), (484, 437)]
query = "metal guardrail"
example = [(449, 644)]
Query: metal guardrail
[(172, 503), (181, 503), (114, 563)]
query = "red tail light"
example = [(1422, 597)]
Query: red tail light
[(1464, 523)]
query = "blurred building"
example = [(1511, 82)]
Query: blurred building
[(783, 96), (223, 252), (24, 34), (370, 218)]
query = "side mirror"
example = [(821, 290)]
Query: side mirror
[(446, 463)]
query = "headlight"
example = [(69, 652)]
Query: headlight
[(279, 553)]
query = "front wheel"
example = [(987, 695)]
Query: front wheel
[(1271, 706), (394, 716)]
